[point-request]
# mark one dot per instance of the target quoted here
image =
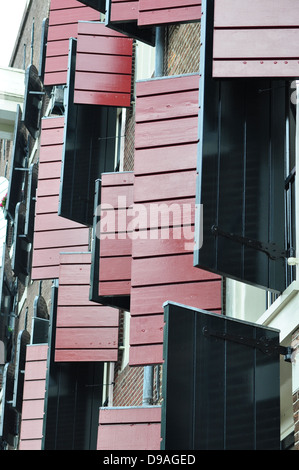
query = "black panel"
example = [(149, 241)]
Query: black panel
[(221, 383), (89, 150), (30, 202), (121, 301), (131, 29), (21, 247), (7, 291), (18, 164), (43, 49), (33, 100), (73, 398), (23, 340), (9, 417), (99, 5), (241, 167), (40, 330)]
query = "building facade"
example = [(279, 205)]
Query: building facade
[(149, 271)]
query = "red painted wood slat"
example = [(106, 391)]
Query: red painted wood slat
[(129, 428), (124, 10), (162, 265), (33, 397), (103, 66), (255, 39), (85, 331), (53, 234), (153, 12)]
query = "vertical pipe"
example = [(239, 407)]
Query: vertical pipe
[(148, 377), (296, 183)]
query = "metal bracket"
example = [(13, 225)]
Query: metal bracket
[(263, 344), (270, 249)]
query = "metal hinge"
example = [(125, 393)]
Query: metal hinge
[(270, 249), (263, 344)]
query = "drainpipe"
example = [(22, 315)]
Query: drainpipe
[(148, 373)]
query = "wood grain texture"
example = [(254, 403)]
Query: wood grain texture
[(85, 331), (132, 428), (33, 397), (52, 234), (255, 39), (103, 66)]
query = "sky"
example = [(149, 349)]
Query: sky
[(11, 13)]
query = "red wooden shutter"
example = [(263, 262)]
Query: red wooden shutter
[(85, 331), (115, 246), (256, 39), (154, 12), (63, 24), (165, 175), (52, 234), (103, 66), (34, 398)]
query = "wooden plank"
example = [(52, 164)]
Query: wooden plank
[(105, 45), (48, 188), (52, 222), (165, 186), (143, 355), (49, 170), (88, 62), (115, 268), (93, 316), (153, 160), (159, 86), (130, 415), (160, 242), (123, 11), (156, 134), (62, 4), (171, 11), (86, 355), (101, 98), (103, 82), (167, 270), (129, 437), (52, 136), (33, 409), (57, 78), (76, 297), (48, 204), (72, 15), (35, 370), (32, 429), (34, 390), (61, 32), (254, 13), (30, 444), (255, 68), (114, 288), (146, 329), (51, 153), (64, 239), (86, 338), (36, 352), (149, 300)]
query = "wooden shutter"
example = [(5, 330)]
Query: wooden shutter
[(30, 201), (256, 39), (52, 233), (103, 73), (112, 243), (221, 383), (89, 150), (9, 416), (162, 262), (241, 160), (20, 261), (17, 165), (85, 331), (155, 12), (33, 100), (63, 24), (31, 431), (23, 340)]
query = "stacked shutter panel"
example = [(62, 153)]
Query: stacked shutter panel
[(85, 331), (116, 241), (103, 66), (63, 24), (251, 39), (52, 233), (165, 178)]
